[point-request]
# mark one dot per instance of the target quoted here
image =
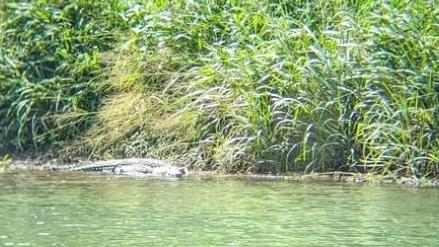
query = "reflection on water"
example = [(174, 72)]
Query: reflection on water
[(66, 209)]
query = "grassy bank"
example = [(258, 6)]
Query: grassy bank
[(261, 86)]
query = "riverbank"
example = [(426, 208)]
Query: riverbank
[(42, 165), (230, 86)]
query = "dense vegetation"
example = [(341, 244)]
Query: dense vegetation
[(263, 86)]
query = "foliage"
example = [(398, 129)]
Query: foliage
[(5, 162), (265, 86), (49, 60)]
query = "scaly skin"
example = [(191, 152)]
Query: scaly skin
[(130, 167)]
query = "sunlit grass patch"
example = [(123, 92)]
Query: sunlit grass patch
[(5, 162)]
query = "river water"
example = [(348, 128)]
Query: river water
[(67, 209)]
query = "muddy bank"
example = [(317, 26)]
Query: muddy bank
[(341, 177)]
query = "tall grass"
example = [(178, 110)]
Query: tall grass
[(49, 58), (261, 86)]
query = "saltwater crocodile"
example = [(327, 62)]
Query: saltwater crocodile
[(130, 167)]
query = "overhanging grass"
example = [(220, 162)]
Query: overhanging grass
[(265, 86)]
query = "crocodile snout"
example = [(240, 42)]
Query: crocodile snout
[(183, 171)]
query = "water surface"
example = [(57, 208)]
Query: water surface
[(67, 209)]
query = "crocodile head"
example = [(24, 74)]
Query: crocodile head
[(178, 172), (166, 171)]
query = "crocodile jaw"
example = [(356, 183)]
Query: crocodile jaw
[(181, 172), (165, 171), (170, 171)]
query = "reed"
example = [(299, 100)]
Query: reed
[(50, 64), (261, 86)]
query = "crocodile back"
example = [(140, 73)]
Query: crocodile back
[(138, 163), (132, 166)]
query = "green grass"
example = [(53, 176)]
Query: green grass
[(261, 86), (50, 56), (5, 162)]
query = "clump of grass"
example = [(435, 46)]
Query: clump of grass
[(138, 118), (5, 162), (125, 116), (50, 63)]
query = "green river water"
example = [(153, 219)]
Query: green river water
[(66, 209)]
